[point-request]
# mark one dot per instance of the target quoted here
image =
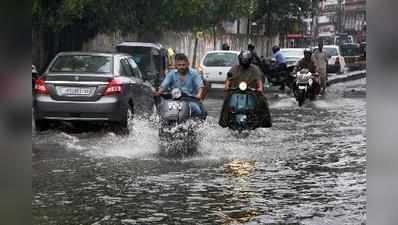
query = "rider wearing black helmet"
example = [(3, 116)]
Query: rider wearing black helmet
[(225, 47), (306, 62), (251, 74)]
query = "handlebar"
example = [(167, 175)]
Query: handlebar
[(237, 89), (167, 95)]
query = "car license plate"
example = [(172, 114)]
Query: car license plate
[(74, 91), (301, 87)]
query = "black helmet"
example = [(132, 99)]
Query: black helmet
[(275, 48), (225, 46), (250, 47), (307, 51), (245, 58)]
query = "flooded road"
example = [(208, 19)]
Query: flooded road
[(309, 168)]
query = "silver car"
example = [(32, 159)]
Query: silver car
[(83, 86)]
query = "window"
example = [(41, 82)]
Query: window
[(82, 64), (220, 59), (125, 69), (136, 70)]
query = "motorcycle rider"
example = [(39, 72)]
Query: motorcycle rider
[(257, 61), (280, 63), (252, 75), (188, 80), (225, 47), (308, 63)]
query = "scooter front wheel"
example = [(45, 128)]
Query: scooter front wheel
[(301, 97)]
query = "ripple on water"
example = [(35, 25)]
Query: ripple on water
[(310, 168)]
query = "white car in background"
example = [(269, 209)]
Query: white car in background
[(293, 55), (215, 65), (336, 63)]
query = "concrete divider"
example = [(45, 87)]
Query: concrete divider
[(354, 75), (332, 79)]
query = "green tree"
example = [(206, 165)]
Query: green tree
[(67, 24)]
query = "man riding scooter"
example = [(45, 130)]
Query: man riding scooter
[(251, 77), (188, 80)]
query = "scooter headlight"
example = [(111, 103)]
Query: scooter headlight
[(243, 86), (310, 81), (176, 93)]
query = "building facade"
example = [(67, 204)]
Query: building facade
[(355, 19)]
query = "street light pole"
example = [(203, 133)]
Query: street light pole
[(339, 16)]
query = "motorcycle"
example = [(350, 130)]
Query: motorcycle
[(178, 122), (304, 86), (241, 106)]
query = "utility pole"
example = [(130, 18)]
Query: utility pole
[(339, 16), (268, 27)]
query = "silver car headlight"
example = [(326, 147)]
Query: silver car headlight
[(243, 86), (176, 93)]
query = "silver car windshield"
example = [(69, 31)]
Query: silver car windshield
[(82, 64), (221, 59)]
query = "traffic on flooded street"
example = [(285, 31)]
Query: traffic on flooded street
[(199, 112), (309, 168)]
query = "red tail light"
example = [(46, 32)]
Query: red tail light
[(115, 87), (337, 61), (40, 87)]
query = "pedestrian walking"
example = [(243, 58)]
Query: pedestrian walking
[(321, 61)]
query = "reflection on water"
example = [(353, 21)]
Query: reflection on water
[(310, 168)]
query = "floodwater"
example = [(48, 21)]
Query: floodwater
[(309, 168)]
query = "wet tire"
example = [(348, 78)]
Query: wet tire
[(122, 127), (301, 97), (42, 125)]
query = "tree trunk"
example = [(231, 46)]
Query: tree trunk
[(214, 38), (195, 48)]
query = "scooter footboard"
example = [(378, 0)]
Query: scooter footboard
[(242, 102)]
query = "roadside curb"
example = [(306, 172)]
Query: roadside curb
[(346, 77), (332, 79)]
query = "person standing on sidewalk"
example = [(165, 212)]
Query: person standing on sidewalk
[(321, 61)]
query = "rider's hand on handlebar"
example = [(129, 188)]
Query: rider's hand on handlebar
[(199, 97)]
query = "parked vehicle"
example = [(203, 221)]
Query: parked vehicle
[(343, 38), (151, 58), (336, 63), (178, 123), (215, 65), (83, 86), (363, 54), (352, 56), (293, 55), (304, 86)]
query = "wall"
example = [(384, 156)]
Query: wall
[(184, 42)]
